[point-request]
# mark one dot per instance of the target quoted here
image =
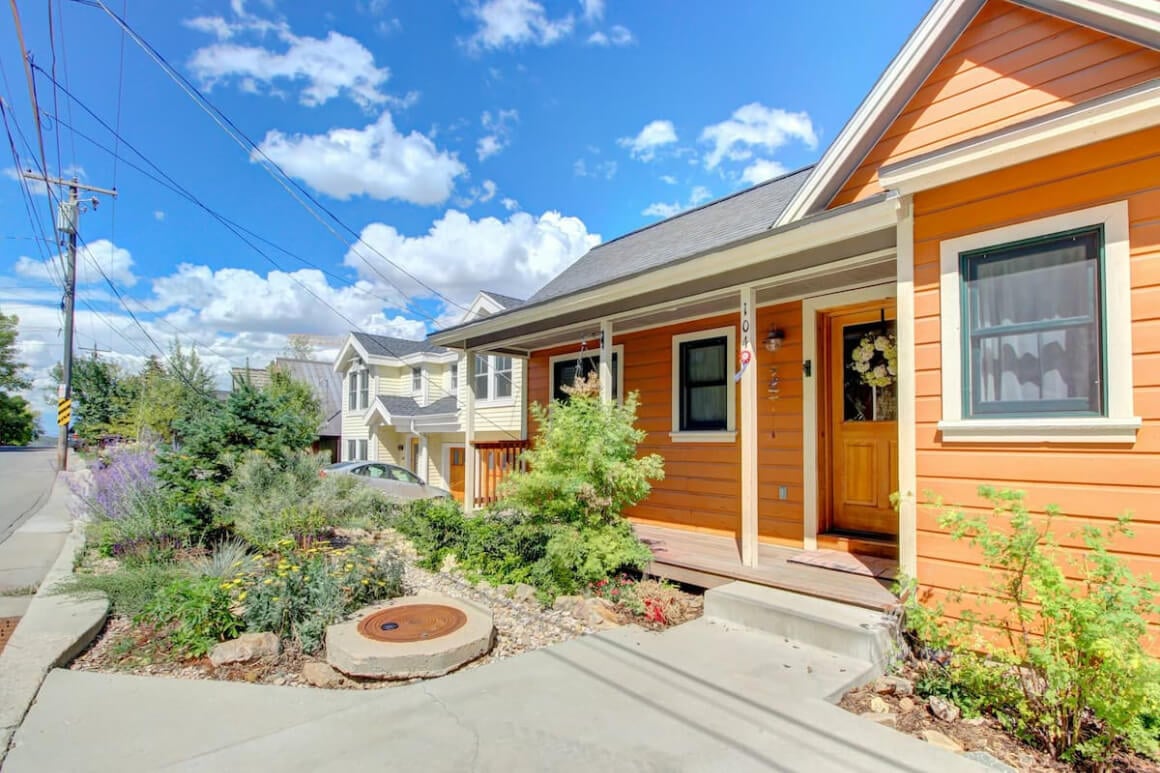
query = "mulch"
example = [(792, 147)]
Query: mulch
[(7, 626), (983, 734)]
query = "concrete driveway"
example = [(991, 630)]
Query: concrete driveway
[(700, 697)]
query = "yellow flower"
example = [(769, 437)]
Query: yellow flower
[(366, 582), (277, 598), (227, 585), (306, 578), (294, 568), (348, 567), (268, 581), (242, 596)]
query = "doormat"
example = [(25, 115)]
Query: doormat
[(851, 563)]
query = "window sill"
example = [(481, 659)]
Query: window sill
[(703, 437), (503, 402), (1045, 430)]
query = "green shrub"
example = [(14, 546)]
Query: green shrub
[(583, 468), (576, 558), (268, 500), (227, 558), (193, 613), (302, 591), (130, 588), (152, 533), (1064, 665), (436, 527)]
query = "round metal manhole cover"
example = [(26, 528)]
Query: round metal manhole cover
[(412, 622)]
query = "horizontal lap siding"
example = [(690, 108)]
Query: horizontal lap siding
[(1091, 484), (1011, 64), (702, 485), (779, 427)]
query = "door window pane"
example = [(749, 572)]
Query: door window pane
[(1032, 325), (704, 384), (870, 372)]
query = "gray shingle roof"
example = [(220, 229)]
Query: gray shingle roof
[(326, 385), (507, 301), (406, 406), (385, 346), (717, 223)]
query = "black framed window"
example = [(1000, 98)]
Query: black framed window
[(566, 372), (1032, 327), (704, 384)]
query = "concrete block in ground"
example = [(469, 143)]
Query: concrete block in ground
[(354, 654), (26, 557), (841, 628), (14, 606)]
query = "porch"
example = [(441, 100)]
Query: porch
[(708, 560)]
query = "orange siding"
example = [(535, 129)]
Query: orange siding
[(1092, 484), (702, 485), (1010, 64)]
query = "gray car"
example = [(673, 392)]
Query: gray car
[(397, 482)]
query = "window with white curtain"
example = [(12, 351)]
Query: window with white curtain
[(1032, 335)]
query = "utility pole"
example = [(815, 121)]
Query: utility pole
[(68, 219)]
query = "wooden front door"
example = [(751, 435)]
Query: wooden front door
[(861, 397), (456, 474)]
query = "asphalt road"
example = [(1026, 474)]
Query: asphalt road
[(26, 476)]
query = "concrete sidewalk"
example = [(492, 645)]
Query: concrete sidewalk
[(700, 697)]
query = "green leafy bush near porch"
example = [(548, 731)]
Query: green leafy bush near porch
[(1060, 662), (582, 468)]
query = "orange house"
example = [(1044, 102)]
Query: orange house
[(964, 289)]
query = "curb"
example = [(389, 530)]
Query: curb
[(54, 629)]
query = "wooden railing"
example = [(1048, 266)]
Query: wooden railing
[(494, 461)]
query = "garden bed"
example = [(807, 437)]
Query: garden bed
[(522, 624), (911, 714)]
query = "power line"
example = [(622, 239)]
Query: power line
[(285, 180)]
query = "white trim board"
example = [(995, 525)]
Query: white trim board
[(810, 309), (1119, 424)]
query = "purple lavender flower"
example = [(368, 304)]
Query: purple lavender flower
[(120, 482)]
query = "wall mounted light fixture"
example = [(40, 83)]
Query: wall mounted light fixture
[(774, 339)]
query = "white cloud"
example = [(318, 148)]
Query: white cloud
[(482, 193), (489, 191), (593, 10), (753, 127), (699, 195), (510, 204), (376, 161), (601, 169), (617, 35), (513, 23), (499, 127), (655, 134), (668, 179), (114, 261), (762, 169), (324, 68), (159, 215), (458, 255)]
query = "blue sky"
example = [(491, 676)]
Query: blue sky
[(473, 143)]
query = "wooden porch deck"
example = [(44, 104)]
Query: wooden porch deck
[(708, 560)]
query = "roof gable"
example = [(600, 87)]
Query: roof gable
[(971, 68)]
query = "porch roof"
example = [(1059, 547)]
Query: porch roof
[(393, 408), (850, 244)]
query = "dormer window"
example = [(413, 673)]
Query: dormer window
[(416, 380)]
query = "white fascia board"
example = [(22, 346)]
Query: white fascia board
[(1135, 20), (861, 219), (1133, 111), (881, 105), (351, 343)]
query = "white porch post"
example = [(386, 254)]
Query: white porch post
[(422, 464), (606, 360), (907, 408), (748, 414), (469, 472), (522, 364)]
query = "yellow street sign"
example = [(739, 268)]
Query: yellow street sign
[(64, 412)]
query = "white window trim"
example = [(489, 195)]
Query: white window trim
[(1119, 425), (411, 375), (594, 355), (491, 401), (729, 434)]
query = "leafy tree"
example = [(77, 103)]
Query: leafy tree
[(103, 399), (298, 347), (11, 370), (17, 422), (169, 392)]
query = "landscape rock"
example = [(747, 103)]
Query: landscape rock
[(989, 762), (943, 709), (906, 705), (878, 706), (524, 593), (321, 674), (600, 612), (567, 603), (942, 740), (893, 685), (506, 590), (975, 721), (247, 647), (888, 719)]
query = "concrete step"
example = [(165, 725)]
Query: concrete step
[(839, 628)]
